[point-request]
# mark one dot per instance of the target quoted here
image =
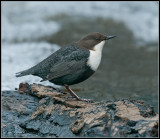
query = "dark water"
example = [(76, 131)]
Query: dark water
[(126, 71)]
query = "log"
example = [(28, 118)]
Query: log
[(40, 111)]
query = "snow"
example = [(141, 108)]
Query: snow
[(21, 56)]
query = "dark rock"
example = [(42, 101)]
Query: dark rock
[(43, 112), (16, 108)]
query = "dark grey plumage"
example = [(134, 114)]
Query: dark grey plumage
[(65, 66), (71, 64)]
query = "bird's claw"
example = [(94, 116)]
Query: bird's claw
[(86, 100)]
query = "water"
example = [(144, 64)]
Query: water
[(129, 68)]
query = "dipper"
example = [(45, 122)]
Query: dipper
[(71, 64)]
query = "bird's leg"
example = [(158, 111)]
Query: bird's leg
[(71, 92), (74, 95)]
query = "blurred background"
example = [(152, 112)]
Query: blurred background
[(31, 31)]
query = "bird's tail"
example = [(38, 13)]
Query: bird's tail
[(22, 73)]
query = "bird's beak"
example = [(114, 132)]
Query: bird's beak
[(110, 37)]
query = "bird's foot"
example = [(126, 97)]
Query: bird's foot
[(81, 99), (75, 96), (85, 100)]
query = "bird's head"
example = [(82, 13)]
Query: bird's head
[(94, 41)]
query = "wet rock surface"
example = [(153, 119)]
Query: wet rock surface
[(43, 112)]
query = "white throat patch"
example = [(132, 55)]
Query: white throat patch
[(95, 56)]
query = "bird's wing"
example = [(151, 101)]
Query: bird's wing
[(68, 64)]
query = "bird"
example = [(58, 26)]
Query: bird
[(71, 64)]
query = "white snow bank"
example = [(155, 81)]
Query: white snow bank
[(18, 57)]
